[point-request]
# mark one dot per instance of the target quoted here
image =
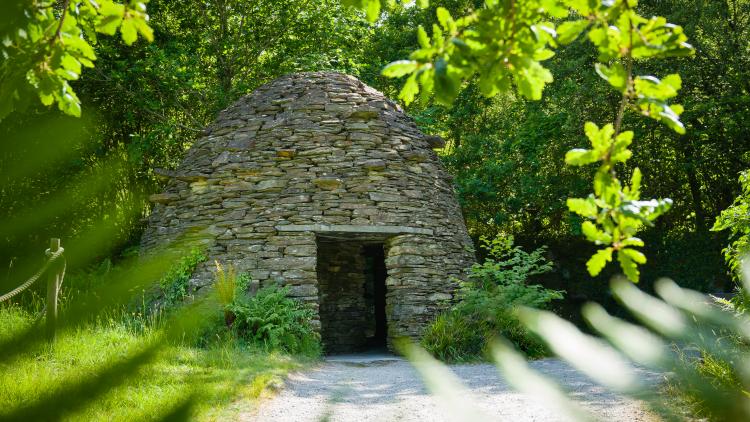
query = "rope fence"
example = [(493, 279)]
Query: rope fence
[(18, 290), (54, 253)]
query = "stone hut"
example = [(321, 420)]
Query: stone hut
[(319, 182)]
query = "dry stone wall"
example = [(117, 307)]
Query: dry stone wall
[(310, 157)]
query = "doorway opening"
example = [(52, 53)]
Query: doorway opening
[(375, 275), (352, 294)]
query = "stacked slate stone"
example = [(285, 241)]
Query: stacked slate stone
[(320, 159)]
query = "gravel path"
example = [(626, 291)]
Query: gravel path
[(386, 388)]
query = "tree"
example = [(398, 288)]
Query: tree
[(47, 44), (504, 44)]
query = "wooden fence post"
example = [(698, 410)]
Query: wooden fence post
[(53, 285)]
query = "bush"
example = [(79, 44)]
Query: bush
[(273, 321), (229, 286), (487, 302), (174, 284)]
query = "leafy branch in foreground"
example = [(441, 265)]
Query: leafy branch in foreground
[(45, 46), (504, 44), (736, 219), (678, 321)]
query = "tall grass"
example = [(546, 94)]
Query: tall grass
[(214, 376)]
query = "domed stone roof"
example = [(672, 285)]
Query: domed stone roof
[(296, 182)]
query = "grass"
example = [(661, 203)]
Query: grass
[(221, 377)]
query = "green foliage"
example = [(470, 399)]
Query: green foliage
[(507, 264), (502, 151), (46, 47), (718, 372), (736, 219), (228, 284), (714, 385), (502, 43), (681, 320), (212, 377), (373, 8), (505, 42), (487, 304), (272, 320), (453, 337), (174, 284)]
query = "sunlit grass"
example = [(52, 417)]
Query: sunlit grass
[(215, 376)]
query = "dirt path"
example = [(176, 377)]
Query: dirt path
[(384, 388)]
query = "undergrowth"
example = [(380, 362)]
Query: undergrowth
[(216, 375), (212, 365), (486, 305), (276, 322)]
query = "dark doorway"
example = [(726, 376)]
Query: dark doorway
[(375, 275), (352, 292)]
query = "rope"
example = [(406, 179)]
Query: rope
[(52, 258)]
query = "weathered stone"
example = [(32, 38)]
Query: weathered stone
[(384, 197), (435, 142), (286, 153), (319, 182), (374, 164), (300, 250), (270, 185), (328, 183), (435, 297), (365, 112), (163, 198)]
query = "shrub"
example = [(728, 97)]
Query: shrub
[(229, 286), (487, 302), (174, 284), (273, 321), (225, 283)]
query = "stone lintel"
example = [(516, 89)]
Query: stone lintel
[(354, 229)]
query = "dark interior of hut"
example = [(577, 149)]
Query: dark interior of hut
[(351, 277)]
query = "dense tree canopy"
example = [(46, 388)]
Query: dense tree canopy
[(144, 103)]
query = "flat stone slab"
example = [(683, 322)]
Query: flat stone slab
[(370, 357), (348, 228)]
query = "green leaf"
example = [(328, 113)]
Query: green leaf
[(531, 77), (111, 15), (601, 139), (632, 241), (410, 89), (129, 31), (422, 38), (447, 82), (595, 235), (599, 260), (620, 151), (515, 369), (635, 255), (445, 19), (69, 62), (399, 68), (583, 7), (616, 75), (634, 341), (653, 88), (372, 10), (568, 31), (583, 207), (427, 81), (581, 157), (423, 4), (629, 267), (585, 352), (143, 28), (634, 191)]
